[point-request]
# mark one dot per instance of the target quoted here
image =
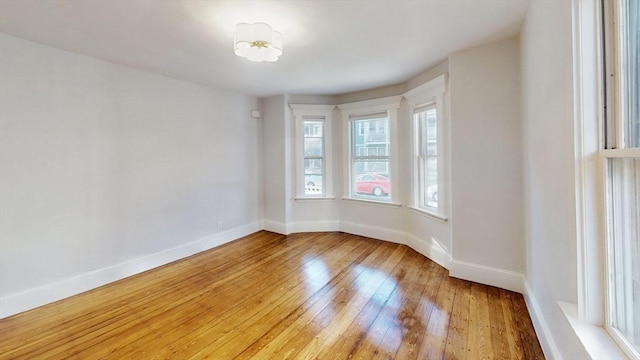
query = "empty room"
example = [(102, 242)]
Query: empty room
[(319, 179)]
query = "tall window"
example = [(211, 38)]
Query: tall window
[(370, 126), (426, 139), (313, 150), (313, 155), (429, 185), (622, 176), (370, 146)]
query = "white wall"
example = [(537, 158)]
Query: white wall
[(546, 45), (102, 165), (276, 154), (487, 202)]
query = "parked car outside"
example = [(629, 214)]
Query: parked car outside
[(374, 184)]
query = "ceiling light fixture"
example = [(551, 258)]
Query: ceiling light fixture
[(257, 42)]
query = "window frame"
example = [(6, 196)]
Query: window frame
[(362, 108), (593, 77), (301, 113), (430, 94)]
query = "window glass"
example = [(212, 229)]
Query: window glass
[(632, 60), (624, 244)]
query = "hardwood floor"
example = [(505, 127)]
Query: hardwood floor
[(268, 296)]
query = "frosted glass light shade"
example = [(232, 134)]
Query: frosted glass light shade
[(257, 42)]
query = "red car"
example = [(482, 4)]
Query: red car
[(374, 184)]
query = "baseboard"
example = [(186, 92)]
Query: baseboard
[(549, 346), (487, 275), (32, 298), (276, 227), (398, 237), (314, 226), (430, 249)]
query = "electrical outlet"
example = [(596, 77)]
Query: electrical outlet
[(219, 224)]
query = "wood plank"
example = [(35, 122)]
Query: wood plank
[(316, 295), (457, 335), (479, 344)]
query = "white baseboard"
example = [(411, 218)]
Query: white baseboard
[(430, 249), (276, 227), (487, 275), (398, 237), (549, 346), (314, 226), (32, 298)]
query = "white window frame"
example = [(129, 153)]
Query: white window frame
[(591, 176), (300, 112), (430, 93), (390, 105)]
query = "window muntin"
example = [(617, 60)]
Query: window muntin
[(370, 149), (426, 139), (622, 176)]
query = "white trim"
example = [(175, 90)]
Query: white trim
[(394, 236), (373, 202), (32, 298), (431, 249), (313, 199), (588, 107), (595, 339), (547, 341), (429, 215), (276, 227), (621, 153), (424, 93), (371, 106), (487, 275)]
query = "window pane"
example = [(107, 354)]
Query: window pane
[(312, 147), (370, 132), (632, 93), (313, 176), (624, 239), (371, 179), (430, 177)]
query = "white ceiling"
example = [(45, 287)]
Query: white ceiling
[(330, 46)]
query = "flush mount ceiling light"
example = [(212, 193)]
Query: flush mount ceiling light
[(257, 42)]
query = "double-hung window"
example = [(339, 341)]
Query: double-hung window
[(621, 158), (370, 167), (313, 150), (429, 147)]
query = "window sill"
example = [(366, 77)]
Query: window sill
[(430, 215), (312, 199), (373, 202), (595, 339)]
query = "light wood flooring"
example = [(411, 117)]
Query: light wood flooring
[(268, 296)]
